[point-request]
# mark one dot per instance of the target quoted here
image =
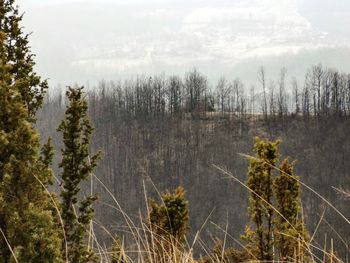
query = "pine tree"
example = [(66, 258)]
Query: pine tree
[(171, 217), (16, 50), (260, 234), (284, 230), (290, 233), (76, 167), (27, 217), (168, 224)]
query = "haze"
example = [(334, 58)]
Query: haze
[(90, 40)]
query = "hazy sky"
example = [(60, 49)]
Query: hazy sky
[(89, 40)]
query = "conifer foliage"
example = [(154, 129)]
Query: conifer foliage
[(29, 230), (171, 217), (16, 52), (76, 167), (168, 225), (260, 208), (276, 230), (291, 235)]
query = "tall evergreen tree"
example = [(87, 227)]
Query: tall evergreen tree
[(284, 230), (76, 167), (29, 232), (17, 53), (260, 234)]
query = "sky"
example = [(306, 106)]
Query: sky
[(86, 41)]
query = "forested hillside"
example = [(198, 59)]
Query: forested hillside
[(167, 169), (157, 133)]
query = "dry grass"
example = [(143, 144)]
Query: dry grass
[(149, 247)]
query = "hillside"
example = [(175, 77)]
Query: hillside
[(147, 154)]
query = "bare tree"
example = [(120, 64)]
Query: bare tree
[(282, 104), (223, 94), (196, 86), (272, 104), (252, 100), (175, 94), (262, 80), (296, 95)]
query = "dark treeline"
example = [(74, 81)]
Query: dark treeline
[(324, 92), (163, 132)]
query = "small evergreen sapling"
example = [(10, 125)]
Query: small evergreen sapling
[(168, 224), (170, 218)]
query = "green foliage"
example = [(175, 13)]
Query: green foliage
[(290, 233), (260, 182), (47, 153), (27, 216), (168, 225), (76, 167), (283, 230), (17, 53), (170, 218)]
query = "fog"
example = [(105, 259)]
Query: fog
[(89, 40)]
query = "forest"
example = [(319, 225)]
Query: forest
[(157, 133), (171, 168)]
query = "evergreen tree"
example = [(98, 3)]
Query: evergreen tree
[(171, 217), (29, 232), (169, 224), (16, 50), (291, 236), (76, 167), (260, 234), (285, 230)]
